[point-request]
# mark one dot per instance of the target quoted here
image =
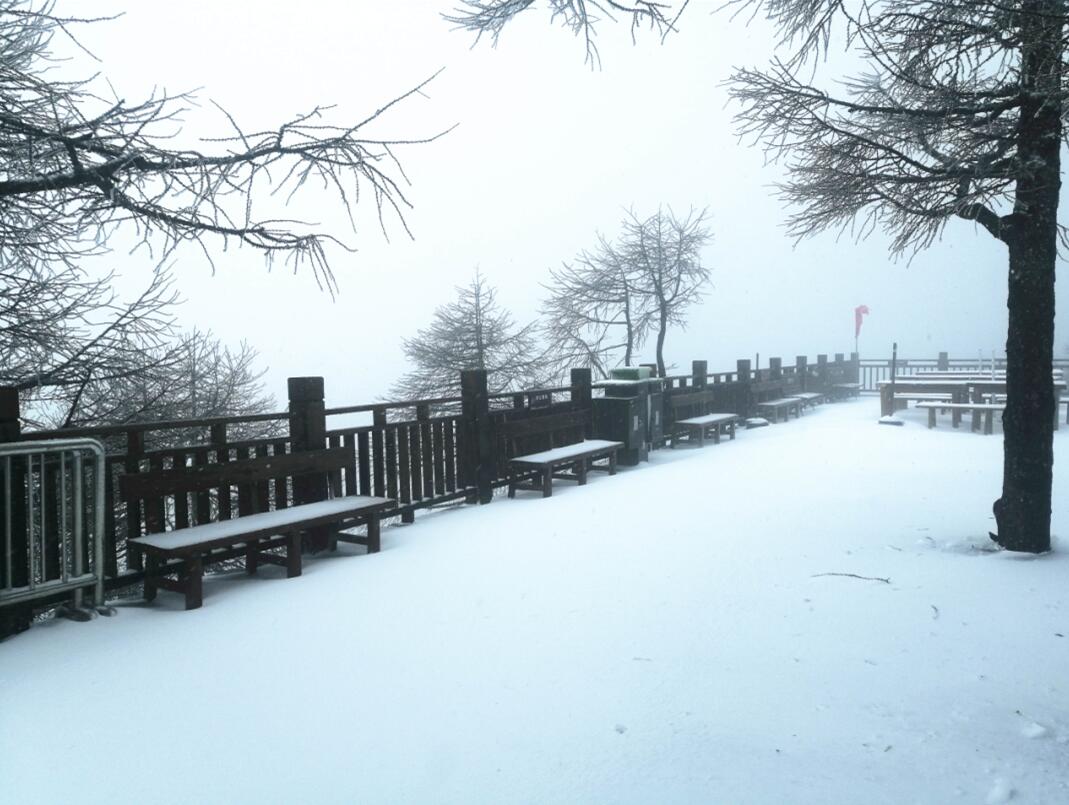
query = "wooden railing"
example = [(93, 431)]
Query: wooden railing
[(872, 371), (420, 453)]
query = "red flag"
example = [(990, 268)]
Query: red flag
[(859, 313)]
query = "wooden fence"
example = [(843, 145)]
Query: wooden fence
[(421, 453)]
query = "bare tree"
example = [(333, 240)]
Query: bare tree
[(595, 311), (471, 332), (61, 328), (77, 165), (194, 376), (959, 115), (489, 17), (663, 253)]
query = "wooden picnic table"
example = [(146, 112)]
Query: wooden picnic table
[(962, 390)]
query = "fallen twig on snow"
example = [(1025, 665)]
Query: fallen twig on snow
[(853, 576)]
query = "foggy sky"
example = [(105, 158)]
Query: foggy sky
[(547, 153)]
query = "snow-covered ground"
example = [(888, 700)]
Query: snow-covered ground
[(673, 634)]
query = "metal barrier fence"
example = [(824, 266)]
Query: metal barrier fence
[(50, 491)]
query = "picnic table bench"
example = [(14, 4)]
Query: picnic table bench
[(182, 552), (781, 405), (567, 449), (923, 396), (987, 410), (697, 427)]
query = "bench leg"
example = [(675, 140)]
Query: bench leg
[(612, 463), (716, 434), (374, 534), (731, 430), (194, 583), (974, 425), (931, 417), (252, 558), (547, 482), (955, 416), (989, 422), (408, 516), (151, 571), (701, 436), (512, 489), (580, 471), (293, 554), (135, 558)]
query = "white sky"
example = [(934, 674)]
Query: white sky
[(547, 152)]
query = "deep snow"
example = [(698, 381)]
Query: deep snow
[(670, 634)]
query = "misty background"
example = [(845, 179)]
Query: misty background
[(546, 153)]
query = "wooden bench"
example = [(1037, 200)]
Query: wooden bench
[(699, 427), (987, 410), (841, 391), (809, 398), (782, 405), (183, 551), (921, 396), (562, 435), (692, 413)]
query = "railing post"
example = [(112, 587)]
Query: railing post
[(822, 372), (801, 371), (943, 363), (135, 447), (855, 368), (479, 447), (699, 370), (581, 395), (308, 431), (16, 618), (775, 368), (744, 391)]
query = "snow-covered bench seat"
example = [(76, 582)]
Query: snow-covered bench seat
[(906, 396), (697, 427), (524, 440), (580, 456), (182, 551), (987, 410), (840, 391), (785, 406), (809, 398)]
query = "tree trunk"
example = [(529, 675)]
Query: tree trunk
[(662, 331), (1022, 513)]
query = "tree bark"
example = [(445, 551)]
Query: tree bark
[(662, 331), (1022, 513)]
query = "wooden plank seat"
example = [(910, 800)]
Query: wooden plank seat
[(809, 398), (985, 410), (841, 391), (772, 409), (532, 468), (905, 397), (183, 551), (698, 427), (580, 456)]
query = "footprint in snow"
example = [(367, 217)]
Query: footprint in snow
[(1000, 792), (620, 728), (1034, 730)]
